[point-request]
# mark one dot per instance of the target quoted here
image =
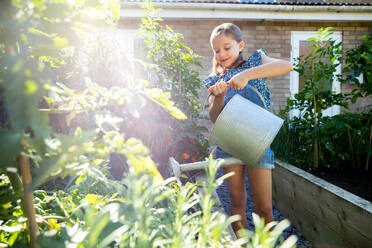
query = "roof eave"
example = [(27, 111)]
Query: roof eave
[(253, 11)]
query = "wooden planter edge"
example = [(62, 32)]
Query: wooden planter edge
[(325, 214)]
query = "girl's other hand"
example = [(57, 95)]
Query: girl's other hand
[(218, 89), (239, 81)]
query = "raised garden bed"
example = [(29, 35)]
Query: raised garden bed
[(327, 215), (356, 182)]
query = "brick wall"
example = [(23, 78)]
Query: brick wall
[(272, 36)]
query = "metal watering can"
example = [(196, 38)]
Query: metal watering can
[(244, 129)]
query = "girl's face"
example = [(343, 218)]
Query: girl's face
[(226, 50)]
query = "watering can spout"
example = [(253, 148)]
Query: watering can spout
[(177, 168)]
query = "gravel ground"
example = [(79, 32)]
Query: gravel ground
[(223, 194)]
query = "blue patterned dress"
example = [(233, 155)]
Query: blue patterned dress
[(259, 84)]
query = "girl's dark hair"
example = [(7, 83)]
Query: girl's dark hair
[(227, 29)]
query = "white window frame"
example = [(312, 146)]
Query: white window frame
[(296, 37), (126, 37)]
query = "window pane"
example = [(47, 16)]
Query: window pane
[(305, 50)]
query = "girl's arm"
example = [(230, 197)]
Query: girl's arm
[(216, 99), (269, 67)]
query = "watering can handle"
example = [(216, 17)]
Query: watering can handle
[(249, 86)]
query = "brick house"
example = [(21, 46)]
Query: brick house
[(280, 27)]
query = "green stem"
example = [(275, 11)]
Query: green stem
[(351, 147), (15, 181), (17, 186), (315, 122), (54, 217), (369, 147), (62, 208), (315, 136), (60, 111)]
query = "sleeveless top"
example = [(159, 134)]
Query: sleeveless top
[(267, 161), (259, 83)]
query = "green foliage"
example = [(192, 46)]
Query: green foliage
[(318, 70), (148, 213), (44, 80), (347, 140), (175, 72), (293, 143), (38, 58), (35, 36), (343, 140), (268, 235), (359, 61)]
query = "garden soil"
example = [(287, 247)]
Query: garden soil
[(357, 183)]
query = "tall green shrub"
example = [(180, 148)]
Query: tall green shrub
[(338, 141), (318, 70), (359, 62), (175, 71)]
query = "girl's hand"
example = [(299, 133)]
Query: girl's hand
[(238, 81), (218, 89)]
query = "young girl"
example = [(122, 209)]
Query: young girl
[(230, 76)]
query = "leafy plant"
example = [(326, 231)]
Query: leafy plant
[(43, 82), (293, 143), (318, 69), (345, 142), (268, 235), (359, 62), (149, 213), (37, 59), (337, 141), (174, 72)]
